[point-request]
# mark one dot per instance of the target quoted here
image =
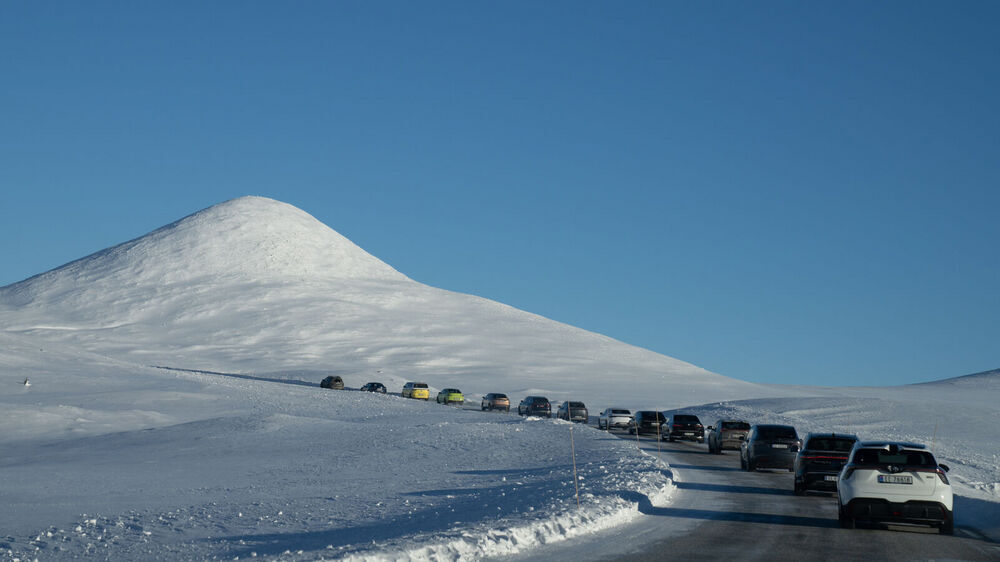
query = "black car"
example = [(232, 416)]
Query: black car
[(686, 427), (535, 406), (647, 421), (770, 446), (573, 411), (333, 381), (374, 387), (819, 461)]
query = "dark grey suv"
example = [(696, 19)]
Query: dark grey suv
[(727, 434), (820, 460), (647, 421), (770, 446), (573, 411), (333, 381), (535, 406), (686, 427)]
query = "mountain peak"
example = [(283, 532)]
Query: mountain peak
[(243, 239)]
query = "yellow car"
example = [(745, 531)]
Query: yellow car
[(417, 390), (450, 396)]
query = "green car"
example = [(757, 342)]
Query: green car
[(451, 396)]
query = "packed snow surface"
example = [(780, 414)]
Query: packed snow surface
[(160, 400)]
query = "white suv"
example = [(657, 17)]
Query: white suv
[(890, 482)]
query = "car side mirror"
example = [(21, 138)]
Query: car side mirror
[(944, 467)]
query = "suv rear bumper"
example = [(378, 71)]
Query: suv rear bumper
[(883, 511), (731, 444), (681, 435), (538, 412), (644, 429), (774, 460), (817, 480)]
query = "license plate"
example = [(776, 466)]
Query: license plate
[(895, 479), (832, 478), (688, 433), (778, 446)]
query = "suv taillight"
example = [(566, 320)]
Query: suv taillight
[(942, 476)]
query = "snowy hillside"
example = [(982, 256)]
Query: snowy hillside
[(256, 286), (172, 408)]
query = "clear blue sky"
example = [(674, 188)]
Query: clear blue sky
[(792, 192)]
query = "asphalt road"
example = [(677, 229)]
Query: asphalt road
[(722, 513)]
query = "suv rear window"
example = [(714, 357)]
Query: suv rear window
[(735, 425), (685, 418), (623, 412), (576, 405), (539, 400), (838, 444), (776, 433), (881, 457)]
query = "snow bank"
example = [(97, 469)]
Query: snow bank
[(261, 467)]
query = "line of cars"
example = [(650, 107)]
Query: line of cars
[(415, 390), (570, 410), (874, 481)]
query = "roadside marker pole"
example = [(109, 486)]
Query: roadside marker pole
[(576, 486), (934, 438), (659, 437)]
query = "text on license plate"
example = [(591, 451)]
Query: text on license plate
[(688, 433), (895, 479), (779, 446), (830, 478)]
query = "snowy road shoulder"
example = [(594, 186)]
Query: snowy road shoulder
[(311, 474)]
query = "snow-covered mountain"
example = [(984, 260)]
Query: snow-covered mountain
[(232, 451), (257, 286)]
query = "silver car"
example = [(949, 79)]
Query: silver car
[(614, 417)]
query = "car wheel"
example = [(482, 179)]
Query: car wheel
[(743, 463), (948, 527), (751, 465), (799, 489)]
